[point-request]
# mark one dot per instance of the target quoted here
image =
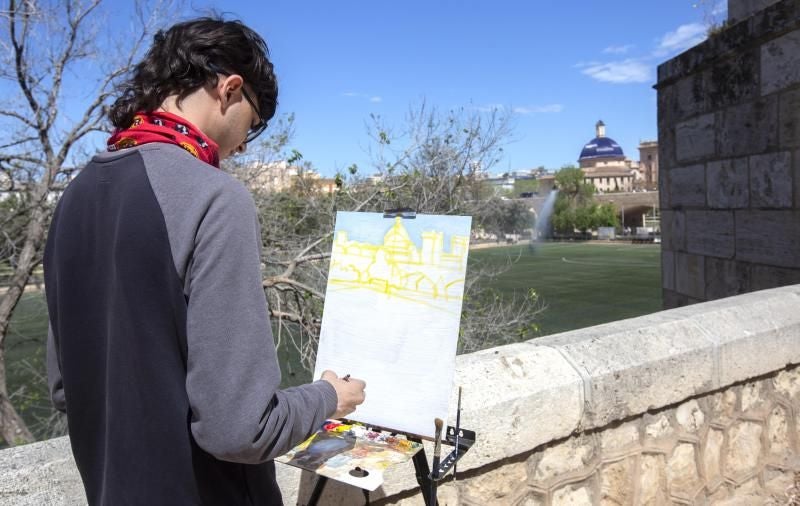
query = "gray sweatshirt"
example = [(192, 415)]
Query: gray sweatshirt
[(160, 350)]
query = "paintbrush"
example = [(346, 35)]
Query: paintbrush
[(437, 447), (458, 430), (437, 454)]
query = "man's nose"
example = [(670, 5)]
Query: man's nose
[(241, 148)]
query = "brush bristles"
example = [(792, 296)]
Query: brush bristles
[(439, 423)]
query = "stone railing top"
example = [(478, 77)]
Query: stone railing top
[(521, 396), (773, 20)]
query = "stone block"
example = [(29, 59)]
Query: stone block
[(710, 233), (753, 398), (769, 237), (778, 432), (683, 479), (726, 277), (668, 110), (789, 113), (754, 333), (796, 177), (615, 439), (690, 97), (673, 230), (770, 180), (41, 473), (695, 138), (571, 457), (498, 486), (728, 183), (631, 379), (780, 63), (743, 451), (687, 186), (765, 276), (671, 299), (616, 483), (712, 451), (530, 385), (667, 269), (690, 275), (723, 406), (777, 481), (689, 416), (748, 128), (741, 9), (667, 156), (787, 383), (659, 428), (732, 79), (572, 495), (652, 480)]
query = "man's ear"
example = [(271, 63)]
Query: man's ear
[(228, 88)]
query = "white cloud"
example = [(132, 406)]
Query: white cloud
[(625, 71), (372, 98), (684, 37), (549, 108), (618, 49), (490, 107)]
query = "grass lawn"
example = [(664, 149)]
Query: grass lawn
[(582, 284)]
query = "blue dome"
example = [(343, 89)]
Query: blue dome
[(601, 147)]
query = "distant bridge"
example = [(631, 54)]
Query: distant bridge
[(633, 204)]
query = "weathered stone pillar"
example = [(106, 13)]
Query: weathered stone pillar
[(729, 153)]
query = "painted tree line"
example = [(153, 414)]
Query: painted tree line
[(429, 163)]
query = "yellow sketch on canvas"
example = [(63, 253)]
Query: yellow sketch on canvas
[(398, 268)]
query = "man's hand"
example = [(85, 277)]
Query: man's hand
[(349, 392)]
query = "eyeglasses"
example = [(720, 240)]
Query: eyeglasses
[(259, 127)]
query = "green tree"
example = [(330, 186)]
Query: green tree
[(605, 215), (504, 217), (575, 207), (572, 185)]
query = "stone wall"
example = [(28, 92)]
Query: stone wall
[(699, 404), (729, 153), (743, 9)]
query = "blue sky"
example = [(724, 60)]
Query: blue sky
[(372, 227), (559, 66)]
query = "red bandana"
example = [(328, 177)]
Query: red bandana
[(165, 127)]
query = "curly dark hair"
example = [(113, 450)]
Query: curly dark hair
[(188, 56)]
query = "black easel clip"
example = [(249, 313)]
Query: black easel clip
[(402, 212)]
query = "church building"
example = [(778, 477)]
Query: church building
[(605, 165)]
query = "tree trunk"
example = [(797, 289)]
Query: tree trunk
[(12, 426)]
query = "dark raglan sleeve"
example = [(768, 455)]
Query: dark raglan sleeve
[(239, 413), (54, 381)]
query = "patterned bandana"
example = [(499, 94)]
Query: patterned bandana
[(165, 127)]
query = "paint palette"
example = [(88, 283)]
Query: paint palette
[(351, 454)]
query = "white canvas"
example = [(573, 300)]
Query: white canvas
[(392, 313)]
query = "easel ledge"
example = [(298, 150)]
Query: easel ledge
[(460, 439)]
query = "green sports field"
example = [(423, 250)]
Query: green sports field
[(582, 284)]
